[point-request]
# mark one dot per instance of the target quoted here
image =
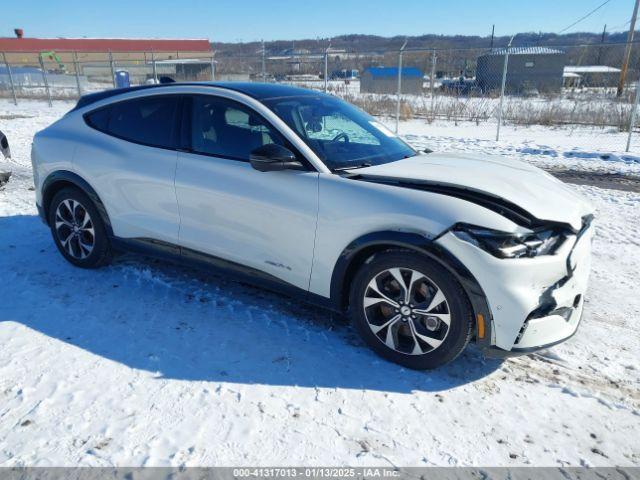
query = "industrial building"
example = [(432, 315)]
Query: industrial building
[(529, 69), (94, 48), (385, 80), (97, 58)]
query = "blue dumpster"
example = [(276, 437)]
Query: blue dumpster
[(122, 79)]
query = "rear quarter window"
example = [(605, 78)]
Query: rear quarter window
[(98, 119), (148, 121)]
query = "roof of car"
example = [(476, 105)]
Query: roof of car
[(262, 91), (259, 91)]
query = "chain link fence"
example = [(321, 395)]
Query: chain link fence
[(68, 75), (483, 94)]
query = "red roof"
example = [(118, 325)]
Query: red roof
[(101, 45)]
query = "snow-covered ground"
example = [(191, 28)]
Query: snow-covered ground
[(591, 149), (143, 363)]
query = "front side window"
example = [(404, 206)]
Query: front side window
[(148, 120), (341, 135), (228, 129)]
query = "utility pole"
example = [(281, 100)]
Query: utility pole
[(627, 53), (493, 31), (604, 34)]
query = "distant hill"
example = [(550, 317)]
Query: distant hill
[(374, 43), (457, 54)]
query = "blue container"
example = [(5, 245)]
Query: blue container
[(122, 79)]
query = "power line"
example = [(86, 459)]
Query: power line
[(585, 17), (621, 26)]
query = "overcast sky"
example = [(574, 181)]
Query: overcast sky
[(245, 20)]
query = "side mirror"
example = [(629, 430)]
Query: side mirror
[(4, 146), (273, 158)]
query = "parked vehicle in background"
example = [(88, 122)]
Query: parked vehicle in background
[(5, 171), (301, 192), (4, 146), (345, 74)]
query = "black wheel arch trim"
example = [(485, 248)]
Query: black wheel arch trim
[(423, 245), (67, 177)]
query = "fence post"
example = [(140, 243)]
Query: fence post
[(326, 68), (432, 80), (44, 79), (213, 68), (113, 72), (634, 113), (399, 94), (153, 64), (502, 88), (76, 66), (264, 71), (13, 88)]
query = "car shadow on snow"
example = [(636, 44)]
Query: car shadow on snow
[(180, 323)]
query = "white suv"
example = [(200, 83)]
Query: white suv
[(303, 193)]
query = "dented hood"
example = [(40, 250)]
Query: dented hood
[(533, 190)]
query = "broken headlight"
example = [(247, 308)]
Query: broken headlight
[(511, 245)]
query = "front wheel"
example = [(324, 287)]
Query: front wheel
[(410, 310), (78, 229)]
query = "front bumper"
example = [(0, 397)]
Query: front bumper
[(534, 302)]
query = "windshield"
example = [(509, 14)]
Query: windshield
[(341, 135)]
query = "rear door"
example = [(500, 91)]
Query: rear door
[(129, 156), (263, 220)]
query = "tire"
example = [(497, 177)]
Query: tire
[(417, 337), (81, 237)]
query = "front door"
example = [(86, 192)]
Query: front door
[(263, 220)]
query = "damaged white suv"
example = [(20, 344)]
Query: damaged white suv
[(303, 193)]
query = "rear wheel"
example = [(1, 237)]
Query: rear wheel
[(410, 310), (78, 229)]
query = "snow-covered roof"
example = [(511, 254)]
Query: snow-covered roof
[(590, 69), (184, 61), (526, 51), (570, 75)]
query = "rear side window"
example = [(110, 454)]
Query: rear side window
[(148, 121)]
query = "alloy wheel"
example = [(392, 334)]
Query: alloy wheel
[(407, 311), (74, 229)]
